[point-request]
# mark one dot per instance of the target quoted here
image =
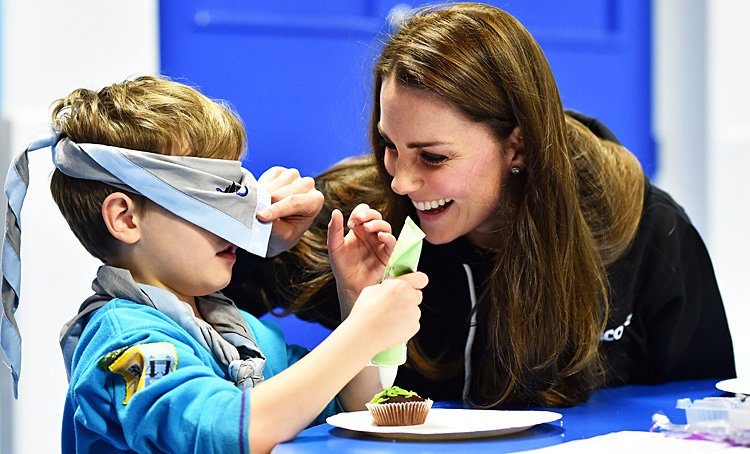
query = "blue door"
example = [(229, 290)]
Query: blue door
[(298, 71)]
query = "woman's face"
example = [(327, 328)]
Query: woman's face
[(451, 168)]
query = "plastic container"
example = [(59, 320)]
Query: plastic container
[(710, 412), (739, 418)]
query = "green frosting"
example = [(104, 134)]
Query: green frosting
[(393, 391)]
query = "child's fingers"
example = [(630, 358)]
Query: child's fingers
[(270, 174), (295, 185), (277, 177), (417, 279), (304, 205)]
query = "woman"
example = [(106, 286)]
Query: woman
[(555, 266)]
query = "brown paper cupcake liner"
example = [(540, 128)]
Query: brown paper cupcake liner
[(400, 413)]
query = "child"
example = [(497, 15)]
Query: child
[(149, 181)]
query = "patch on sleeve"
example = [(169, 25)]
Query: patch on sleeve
[(140, 364)]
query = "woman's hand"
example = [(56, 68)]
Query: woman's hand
[(294, 205), (358, 259)]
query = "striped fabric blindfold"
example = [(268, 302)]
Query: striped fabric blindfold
[(217, 195)]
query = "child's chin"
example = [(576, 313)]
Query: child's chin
[(217, 284), (221, 285)]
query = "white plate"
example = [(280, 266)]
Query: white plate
[(735, 385), (446, 423)]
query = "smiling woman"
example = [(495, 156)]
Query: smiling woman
[(435, 154), (555, 266)]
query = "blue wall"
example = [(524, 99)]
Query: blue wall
[(298, 71)]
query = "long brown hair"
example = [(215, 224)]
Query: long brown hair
[(545, 304)]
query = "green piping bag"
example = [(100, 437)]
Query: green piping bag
[(403, 260)]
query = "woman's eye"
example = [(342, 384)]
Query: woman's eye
[(432, 159), (388, 147)]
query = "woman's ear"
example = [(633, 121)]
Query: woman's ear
[(514, 149), (121, 217)]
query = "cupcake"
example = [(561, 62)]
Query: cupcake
[(397, 407)]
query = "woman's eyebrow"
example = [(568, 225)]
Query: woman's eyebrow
[(412, 145), (425, 144)]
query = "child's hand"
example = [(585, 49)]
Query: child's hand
[(294, 205), (358, 259), (390, 311)]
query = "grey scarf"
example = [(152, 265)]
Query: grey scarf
[(225, 334)]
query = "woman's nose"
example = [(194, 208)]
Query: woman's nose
[(405, 181)]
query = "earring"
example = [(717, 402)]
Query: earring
[(515, 170)]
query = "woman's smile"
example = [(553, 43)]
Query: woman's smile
[(433, 206)]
